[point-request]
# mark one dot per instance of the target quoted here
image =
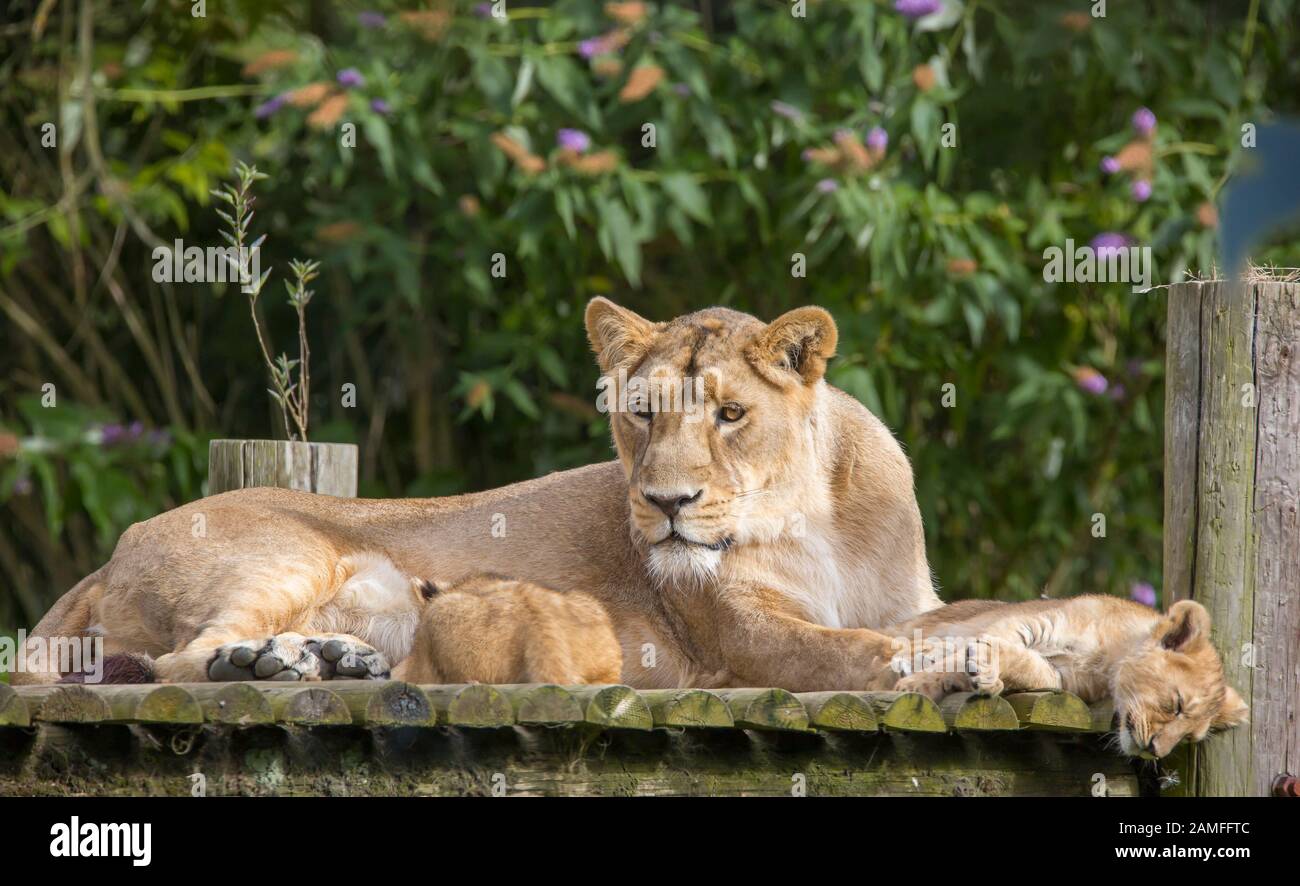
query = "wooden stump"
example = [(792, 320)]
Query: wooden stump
[(324, 468), (1232, 490)]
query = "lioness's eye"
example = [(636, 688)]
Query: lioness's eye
[(1178, 712), (640, 410), (731, 412)]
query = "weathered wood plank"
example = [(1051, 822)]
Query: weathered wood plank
[(1182, 432), (474, 705), (543, 704), (1272, 686), (1051, 711), (305, 706), (323, 468), (169, 704), (234, 704), (616, 707), (65, 704), (688, 708), (773, 709), (906, 712), (13, 709), (978, 713), (839, 711), (1225, 525), (385, 702)]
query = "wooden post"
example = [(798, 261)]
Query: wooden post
[(1232, 490), (324, 468)]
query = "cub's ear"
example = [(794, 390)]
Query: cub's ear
[(1233, 711), (799, 342), (1185, 625), (618, 336)]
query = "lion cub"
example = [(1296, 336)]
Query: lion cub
[(1162, 671), (489, 629)]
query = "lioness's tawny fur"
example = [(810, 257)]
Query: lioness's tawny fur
[(1162, 671), (488, 629), (751, 541)]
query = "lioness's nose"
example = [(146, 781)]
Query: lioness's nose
[(671, 504)]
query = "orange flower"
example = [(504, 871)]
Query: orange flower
[(823, 156), (311, 94), (626, 13), (1076, 21), (1207, 215), (522, 157), (641, 83), (478, 393), (8, 444), (338, 232), (596, 163), (270, 61), (469, 205), (962, 267), (924, 77), (330, 112), (430, 24), (607, 67), (1137, 156), (853, 151)]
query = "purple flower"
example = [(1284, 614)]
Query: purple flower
[(1117, 392), (1141, 190), (573, 140), (22, 486), (160, 438), (119, 435), (877, 140), (371, 19), (594, 46), (828, 186), (350, 78), (1091, 381), (915, 9), (681, 89), (483, 10), (1109, 165), (1144, 121), (1107, 242), (1143, 593), (269, 107), (379, 106), (788, 111)]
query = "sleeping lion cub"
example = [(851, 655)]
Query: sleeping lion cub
[(1162, 672), (488, 629)]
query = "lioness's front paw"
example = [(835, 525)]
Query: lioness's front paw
[(282, 657), (934, 684), (345, 658), (983, 666)]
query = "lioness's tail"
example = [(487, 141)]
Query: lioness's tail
[(68, 617)]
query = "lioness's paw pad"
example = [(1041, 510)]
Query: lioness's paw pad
[(345, 659), (984, 668), (283, 657)]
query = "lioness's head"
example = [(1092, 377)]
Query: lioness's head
[(713, 416), (1172, 686)]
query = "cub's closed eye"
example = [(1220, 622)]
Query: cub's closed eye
[(731, 412), (641, 411)]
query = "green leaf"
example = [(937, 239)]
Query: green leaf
[(688, 195)]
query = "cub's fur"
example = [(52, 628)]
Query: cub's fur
[(488, 629), (1162, 671)]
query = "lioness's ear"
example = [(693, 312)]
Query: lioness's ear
[(618, 336), (1233, 711), (1186, 624), (800, 341)]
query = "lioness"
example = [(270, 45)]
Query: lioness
[(489, 629), (749, 541), (1162, 671)]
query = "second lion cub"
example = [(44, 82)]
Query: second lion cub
[(489, 629)]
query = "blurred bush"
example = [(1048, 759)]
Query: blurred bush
[(497, 173)]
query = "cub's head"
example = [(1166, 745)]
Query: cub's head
[(1172, 687), (714, 418)]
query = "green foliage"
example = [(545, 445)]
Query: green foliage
[(459, 238)]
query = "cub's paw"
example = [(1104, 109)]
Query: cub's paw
[(282, 657), (347, 658), (983, 665), (934, 684)]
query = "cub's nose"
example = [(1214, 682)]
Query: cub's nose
[(672, 503)]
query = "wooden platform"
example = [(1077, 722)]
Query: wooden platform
[(345, 738)]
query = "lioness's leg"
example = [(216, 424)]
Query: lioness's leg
[(763, 646)]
